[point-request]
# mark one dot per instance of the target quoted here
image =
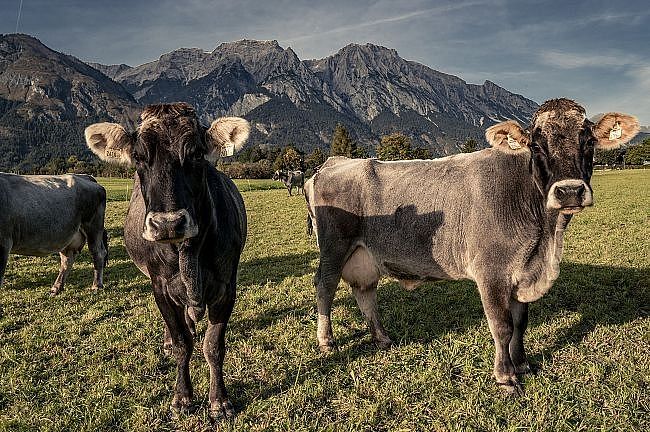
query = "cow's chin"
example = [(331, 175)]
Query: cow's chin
[(177, 239), (571, 209)]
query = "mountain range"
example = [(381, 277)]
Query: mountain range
[(46, 97)]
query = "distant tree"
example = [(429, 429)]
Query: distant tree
[(55, 166), (606, 157), (343, 145), (638, 154), (469, 146), (395, 146), (315, 158), (288, 159)]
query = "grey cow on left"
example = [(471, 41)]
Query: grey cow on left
[(42, 215)]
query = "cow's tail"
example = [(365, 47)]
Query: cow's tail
[(310, 225), (310, 222), (105, 241)]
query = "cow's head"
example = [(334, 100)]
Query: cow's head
[(561, 143), (171, 152)]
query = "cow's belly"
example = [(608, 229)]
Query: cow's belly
[(46, 244)]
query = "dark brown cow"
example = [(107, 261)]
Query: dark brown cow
[(185, 229)]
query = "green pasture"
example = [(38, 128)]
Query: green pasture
[(87, 361)]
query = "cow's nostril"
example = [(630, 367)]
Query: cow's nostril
[(580, 190)]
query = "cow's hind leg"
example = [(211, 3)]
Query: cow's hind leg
[(496, 305), (182, 347), (98, 246), (361, 272), (519, 312), (214, 350), (67, 255), (367, 300), (326, 281)]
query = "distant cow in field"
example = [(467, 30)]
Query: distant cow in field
[(41, 215), (185, 229), (496, 216), (291, 179)]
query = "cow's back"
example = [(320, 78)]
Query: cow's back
[(41, 213)]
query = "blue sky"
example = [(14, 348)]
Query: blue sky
[(597, 52)]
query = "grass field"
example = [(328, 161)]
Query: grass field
[(89, 362)]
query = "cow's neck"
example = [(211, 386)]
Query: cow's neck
[(542, 263)]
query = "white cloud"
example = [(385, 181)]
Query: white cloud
[(565, 60)]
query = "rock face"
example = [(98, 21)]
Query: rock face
[(47, 98), (44, 84), (368, 88)]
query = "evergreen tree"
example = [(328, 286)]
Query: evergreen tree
[(638, 154), (342, 144), (469, 146), (395, 146), (315, 158)]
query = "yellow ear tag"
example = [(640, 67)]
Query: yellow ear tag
[(513, 143), (228, 150), (114, 153), (616, 132)]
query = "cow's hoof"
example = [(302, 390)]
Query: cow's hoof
[(384, 344), (55, 291), (523, 369), (512, 387), (328, 347), (167, 349), (182, 406), (96, 288), (220, 411)]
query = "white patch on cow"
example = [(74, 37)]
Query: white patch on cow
[(512, 143), (616, 132), (361, 269), (553, 203)]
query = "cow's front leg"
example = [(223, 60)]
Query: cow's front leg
[(214, 350), (496, 305), (182, 346), (167, 342), (519, 312)]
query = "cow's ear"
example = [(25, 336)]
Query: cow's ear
[(507, 136), (226, 136), (110, 142), (614, 129)]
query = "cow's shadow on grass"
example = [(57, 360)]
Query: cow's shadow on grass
[(275, 268), (601, 295)]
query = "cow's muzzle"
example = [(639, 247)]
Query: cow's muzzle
[(569, 196), (169, 227)]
